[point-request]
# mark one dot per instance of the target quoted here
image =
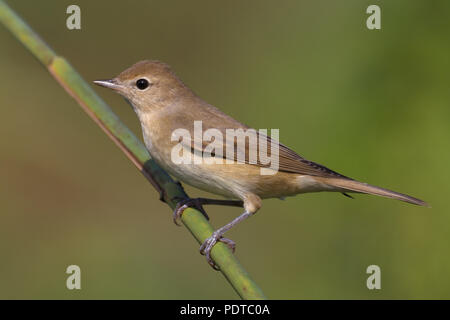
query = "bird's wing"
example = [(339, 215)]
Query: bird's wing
[(289, 161)]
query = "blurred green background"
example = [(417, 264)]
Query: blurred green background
[(373, 105)]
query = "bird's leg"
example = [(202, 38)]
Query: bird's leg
[(198, 204), (217, 235)]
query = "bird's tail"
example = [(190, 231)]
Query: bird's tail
[(356, 186)]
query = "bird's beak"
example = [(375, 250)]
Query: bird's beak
[(111, 84)]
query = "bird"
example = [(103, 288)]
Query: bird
[(164, 104)]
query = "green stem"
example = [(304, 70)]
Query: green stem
[(133, 148)]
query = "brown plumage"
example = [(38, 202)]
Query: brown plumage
[(163, 104)]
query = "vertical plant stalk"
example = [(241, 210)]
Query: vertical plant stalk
[(133, 148)]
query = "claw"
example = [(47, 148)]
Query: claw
[(183, 205), (230, 243), (179, 209), (206, 247)]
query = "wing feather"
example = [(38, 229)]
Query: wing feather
[(289, 160)]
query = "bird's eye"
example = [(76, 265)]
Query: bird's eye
[(142, 84)]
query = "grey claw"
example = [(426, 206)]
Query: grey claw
[(230, 243), (179, 209), (183, 205), (206, 247)]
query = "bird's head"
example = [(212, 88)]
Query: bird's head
[(148, 85)]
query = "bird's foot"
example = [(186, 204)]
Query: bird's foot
[(206, 247), (186, 203)]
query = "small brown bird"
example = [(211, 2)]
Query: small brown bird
[(163, 104)]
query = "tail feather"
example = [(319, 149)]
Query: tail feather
[(356, 186)]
